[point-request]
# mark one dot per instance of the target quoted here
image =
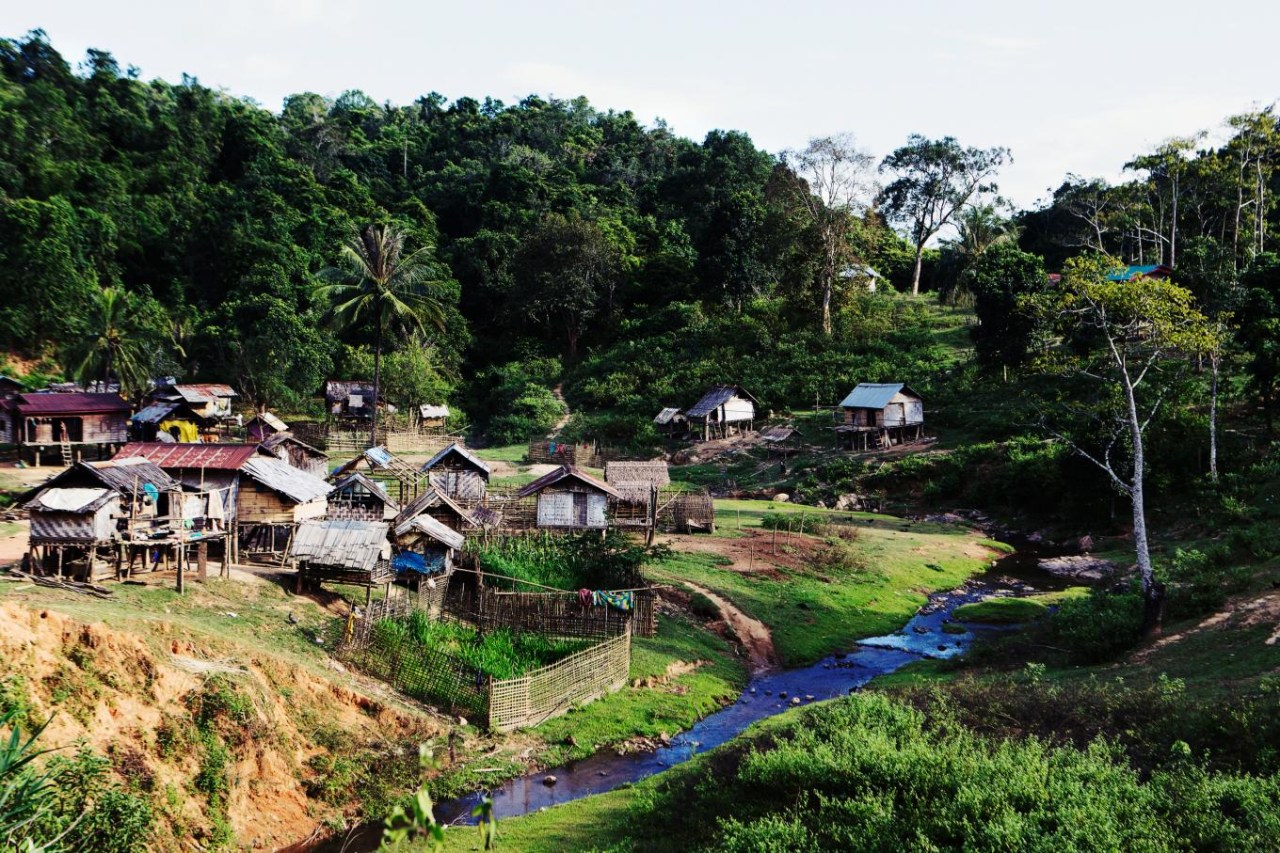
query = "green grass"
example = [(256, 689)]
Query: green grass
[(512, 453), (8, 528), (591, 823), (813, 613), (665, 705), (1008, 610)]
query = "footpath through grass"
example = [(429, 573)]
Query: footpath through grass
[(869, 585)]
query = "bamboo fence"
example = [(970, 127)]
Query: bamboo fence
[(554, 689), (436, 676)]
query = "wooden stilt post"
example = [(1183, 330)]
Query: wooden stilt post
[(177, 557), (61, 549), (202, 561)]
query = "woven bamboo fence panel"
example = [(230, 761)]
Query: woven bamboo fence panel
[(556, 613), (560, 453), (424, 673), (551, 690)]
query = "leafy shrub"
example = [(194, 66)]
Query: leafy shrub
[(869, 773), (793, 522), (1097, 627), (1200, 581)]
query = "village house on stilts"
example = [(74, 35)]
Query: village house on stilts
[(879, 415)]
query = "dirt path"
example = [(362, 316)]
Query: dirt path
[(1238, 613), (753, 633)]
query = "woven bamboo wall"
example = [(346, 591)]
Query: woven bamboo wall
[(552, 690)]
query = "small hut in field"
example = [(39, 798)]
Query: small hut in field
[(458, 473), (358, 497), (723, 411), (345, 551), (264, 425), (671, 422), (570, 499), (433, 416), (878, 415), (638, 484)]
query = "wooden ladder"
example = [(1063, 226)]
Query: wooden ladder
[(67, 457)]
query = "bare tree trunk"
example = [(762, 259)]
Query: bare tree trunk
[(1152, 593), (1213, 419), (915, 275)]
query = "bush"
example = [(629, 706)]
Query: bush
[(1200, 581), (796, 522), (869, 773), (1098, 627)]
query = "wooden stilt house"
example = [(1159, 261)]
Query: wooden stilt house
[(458, 473), (879, 415), (299, 454), (57, 427), (723, 411), (344, 551)]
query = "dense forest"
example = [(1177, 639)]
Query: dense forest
[(567, 246)]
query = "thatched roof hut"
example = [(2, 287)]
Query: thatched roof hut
[(635, 481)]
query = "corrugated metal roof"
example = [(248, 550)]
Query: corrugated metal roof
[(373, 486), (220, 457), (154, 413), (126, 475), (70, 500), (464, 454), (567, 472), (430, 411), (270, 420), (425, 501), (343, 543), (873, 395), (202, 393), (70, 404), (272, 442), (777, 434), (715, 398), (666, 415), (437, 531), (281, 477)]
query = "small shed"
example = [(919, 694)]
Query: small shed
[(264, 425), (358, 497), (458, 473), (570, 499), (722, 411), (877, 415), (671, 422), (207, 401), (298, 453), (349, 398), (344, 551), (428, 535), (433, 415)]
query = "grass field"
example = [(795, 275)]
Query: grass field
[(1007, 611), (813, 613)]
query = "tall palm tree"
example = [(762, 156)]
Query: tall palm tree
[(376, 281), (115, 344)]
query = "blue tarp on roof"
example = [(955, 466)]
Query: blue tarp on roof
[(871, 395), (1132, 272), (154, 413), (423, 564)]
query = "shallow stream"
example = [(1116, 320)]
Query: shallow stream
[(765, 695)]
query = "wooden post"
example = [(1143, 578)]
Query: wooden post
[(61, 549), (202, 561), (177, 558)]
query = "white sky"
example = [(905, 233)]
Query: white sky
[(1077, 86)]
